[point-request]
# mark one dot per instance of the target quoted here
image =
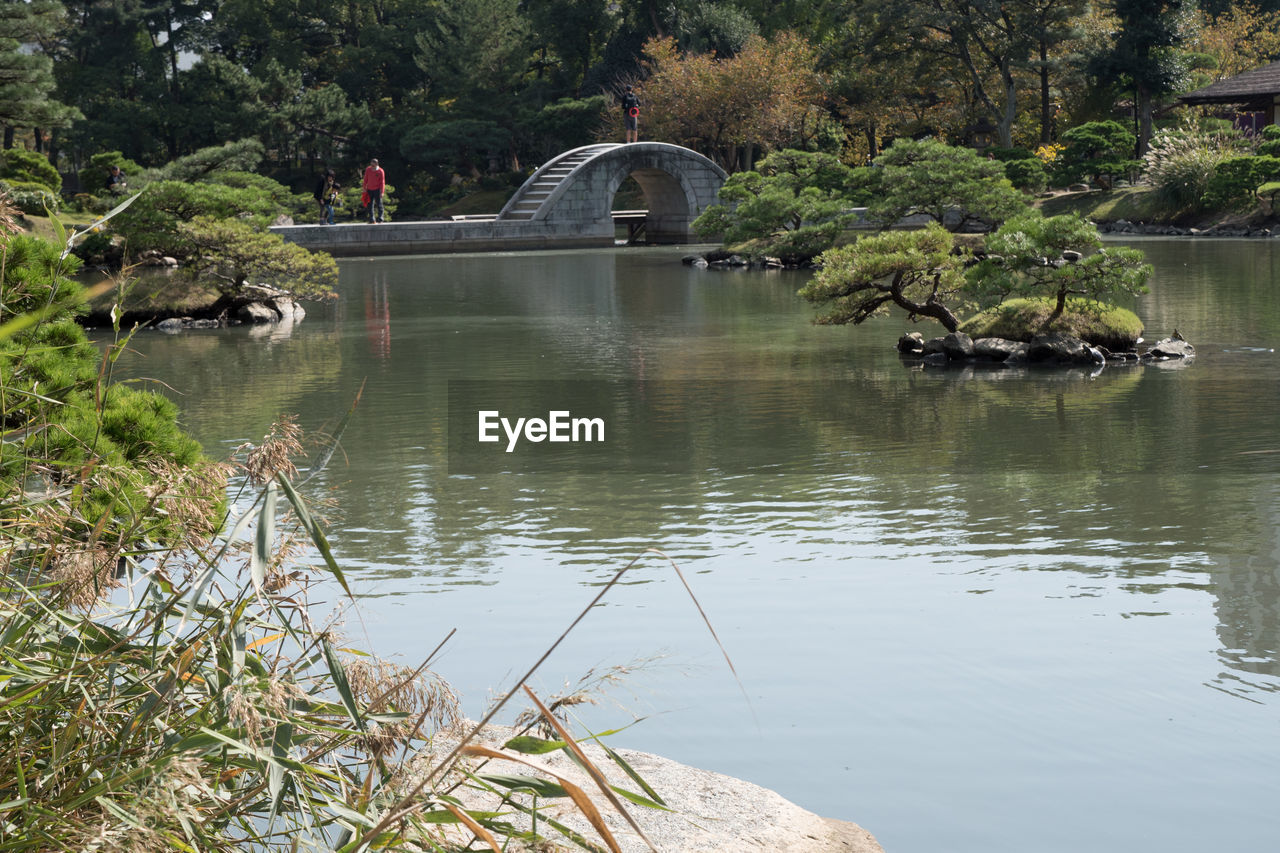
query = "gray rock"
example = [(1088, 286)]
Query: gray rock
[(999, 349), (936, 359), (169, 261), (1059, 348), (700, 263), (170, 325), (203, 324), (1071, 256), (1078, 188), (709, 812), (911, 342), (957, 346), (288, 309), (1172, 348), (256, 312)]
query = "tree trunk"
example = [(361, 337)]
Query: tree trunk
[(942, 314), (1046, 108), (38, 134), (1005, 128), (8, 137), (1144, 118), (931, 307), (1056, 312)]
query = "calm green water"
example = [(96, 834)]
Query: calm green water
[(971, 610)]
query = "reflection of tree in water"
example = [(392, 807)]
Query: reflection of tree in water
[(231, 385), (1247, 588), (377, 316)]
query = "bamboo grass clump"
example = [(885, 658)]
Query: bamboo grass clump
[(175, 693), (200, 709)]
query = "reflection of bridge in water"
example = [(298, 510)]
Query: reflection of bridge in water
[(567, 203)]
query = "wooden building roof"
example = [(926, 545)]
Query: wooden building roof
[(1258, 84)]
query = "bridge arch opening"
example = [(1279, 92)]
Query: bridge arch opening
[(670, 206)]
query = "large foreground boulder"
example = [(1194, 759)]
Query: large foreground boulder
[(710, 813)]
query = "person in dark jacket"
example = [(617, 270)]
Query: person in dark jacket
[(326, 196), (116, 183), (631, 114)]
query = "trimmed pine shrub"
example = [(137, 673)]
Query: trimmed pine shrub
[(20, 165)]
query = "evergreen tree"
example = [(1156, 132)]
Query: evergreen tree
[(1143, 54), (26, 72)]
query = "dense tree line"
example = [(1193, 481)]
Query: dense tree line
[(451, 90)]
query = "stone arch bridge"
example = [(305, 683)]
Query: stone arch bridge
[(566, 203)]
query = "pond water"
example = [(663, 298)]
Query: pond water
[(970, 610)]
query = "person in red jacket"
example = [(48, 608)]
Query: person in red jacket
[(375, 181)]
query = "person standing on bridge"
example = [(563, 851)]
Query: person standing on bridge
[(375, 181), (631, 114)]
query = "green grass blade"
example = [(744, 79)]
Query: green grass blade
[(339, 675), (529, 745), (313, 530), (541, 787), (261, 557), (76, 237), (635, 777)]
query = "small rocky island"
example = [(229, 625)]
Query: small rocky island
[(1050, 349)]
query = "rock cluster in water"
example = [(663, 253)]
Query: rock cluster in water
[(1124, 226), (1054, 348), (259, 305), (720, 259)]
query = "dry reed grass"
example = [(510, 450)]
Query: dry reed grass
[(202, 708)]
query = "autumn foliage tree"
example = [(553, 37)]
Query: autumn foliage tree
[(765, 96), (1239, 38)]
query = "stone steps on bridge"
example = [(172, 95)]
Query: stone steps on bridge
[(527, 201)]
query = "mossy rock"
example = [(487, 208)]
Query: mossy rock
[(1116, 329)]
